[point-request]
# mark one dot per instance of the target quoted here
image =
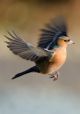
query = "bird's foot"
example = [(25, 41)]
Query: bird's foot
[(54, 76)]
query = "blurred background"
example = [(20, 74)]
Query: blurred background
[(35, 93)]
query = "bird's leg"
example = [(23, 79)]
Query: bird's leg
[(54, 75)]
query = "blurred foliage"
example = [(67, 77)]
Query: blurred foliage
[(20, 13), (45, 1)]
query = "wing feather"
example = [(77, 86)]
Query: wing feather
[(24, 50), (52, 32)]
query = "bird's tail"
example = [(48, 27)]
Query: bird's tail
[(32, 69)]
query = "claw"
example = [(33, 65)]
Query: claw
[(54, 76)]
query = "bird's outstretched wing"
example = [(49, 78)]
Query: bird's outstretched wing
[(24, 50), (57, 28)]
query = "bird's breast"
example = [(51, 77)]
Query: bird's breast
[(57, 60), (59, 57), (54, 63)]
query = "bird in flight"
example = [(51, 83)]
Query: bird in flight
[(50, 53)]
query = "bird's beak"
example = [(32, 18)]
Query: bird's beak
[(71, 42)]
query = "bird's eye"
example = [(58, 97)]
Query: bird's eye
[(67, 40)]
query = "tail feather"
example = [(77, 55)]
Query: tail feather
[(32, 69)]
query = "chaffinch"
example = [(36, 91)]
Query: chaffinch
[(50, 53)]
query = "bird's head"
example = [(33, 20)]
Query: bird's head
[(64, 41)]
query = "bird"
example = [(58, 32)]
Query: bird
[(50, 53)]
